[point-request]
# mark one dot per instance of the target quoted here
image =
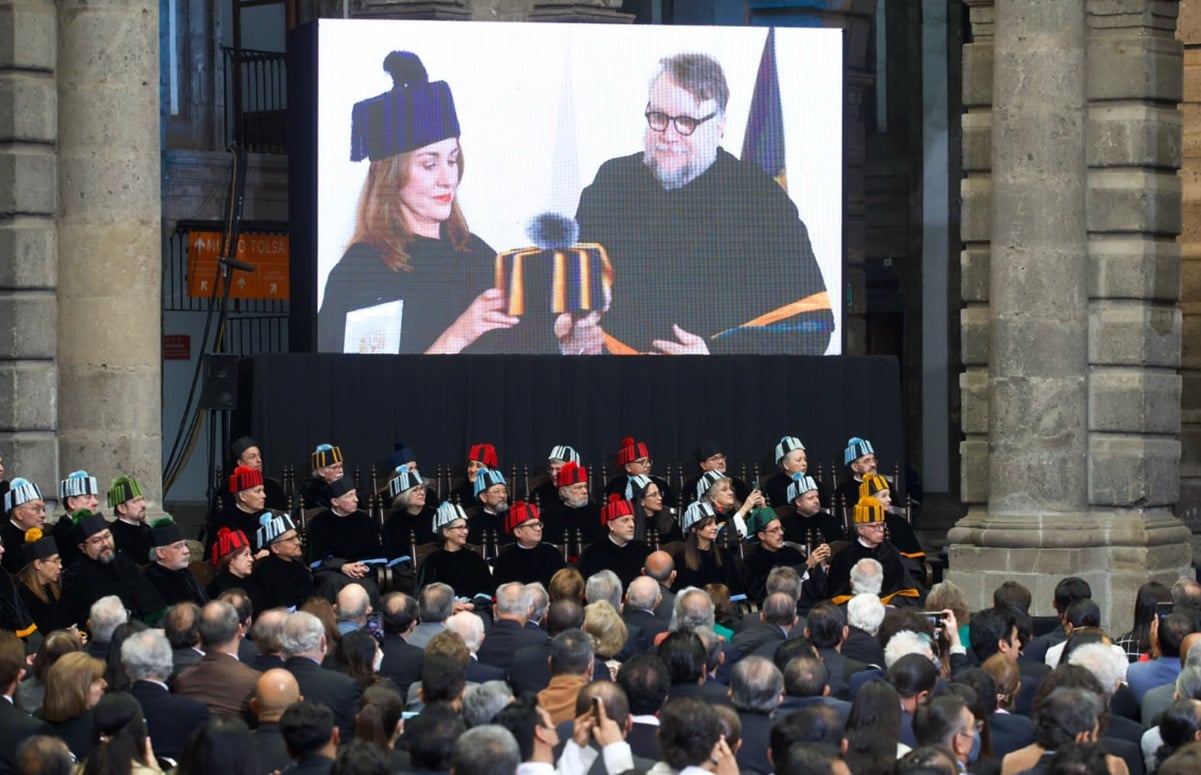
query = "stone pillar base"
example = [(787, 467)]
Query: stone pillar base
[(579, 12), (398, 9), (1114, 551)]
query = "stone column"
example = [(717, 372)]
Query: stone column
[(28, 268), (109, 240), (1070, 461), (1189, 506)]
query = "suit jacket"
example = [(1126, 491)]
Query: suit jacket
[(313, 765), (644, 741), (758, 639), (710, 691), (265, 662), (558, 698), (791, 705), (841, 669), (182, 659), (1144, 676), (15, 726), (664, 609), (756, 739), (650, 624), (505, 639), (169, 717), (221, 682), (402, 662), (1155, 702), (478, 672), (420, 637), (1010, 732), (530, 673), (269, 743), (863, 647), (340, 693)]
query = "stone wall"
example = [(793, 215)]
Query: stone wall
[(1071, 329), (1189, 506)]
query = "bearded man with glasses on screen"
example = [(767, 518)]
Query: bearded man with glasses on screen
[(709, 252)]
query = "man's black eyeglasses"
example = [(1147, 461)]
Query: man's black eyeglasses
[(685, 125)]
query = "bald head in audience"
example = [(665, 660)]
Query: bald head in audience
[(275, 690)]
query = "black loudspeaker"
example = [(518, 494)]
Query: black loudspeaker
[(220, 387)]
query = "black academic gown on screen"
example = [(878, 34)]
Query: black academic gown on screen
[(517, 563), (626, 561), (699, 237), (280, 583), (557, 518), (48, 615), (88, 580), (817, 529), (135, 540), (175, 586), (463, 570), (442, 283), (397, 531), (759, 564)]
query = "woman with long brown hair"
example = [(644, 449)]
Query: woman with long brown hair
[(411, 242), (37, 582)]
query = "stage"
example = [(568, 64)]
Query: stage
[(440, 405)]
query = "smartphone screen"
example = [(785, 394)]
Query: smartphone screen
[(375, 626)]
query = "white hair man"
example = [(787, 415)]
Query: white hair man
[(470, 628), (512, 610), (146, 657), (304, 642), (865, 614)]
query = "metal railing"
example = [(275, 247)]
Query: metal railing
[(256, 99)]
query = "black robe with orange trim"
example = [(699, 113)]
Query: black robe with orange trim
[(731, 234), (898, 585)]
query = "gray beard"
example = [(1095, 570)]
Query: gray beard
[(678, 179), (576, 503)]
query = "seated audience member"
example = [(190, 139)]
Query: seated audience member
[(756, 686), (544, 488), (1010, 730), (80, 491), (710, 456), (470, 628), (483, 701), (219, 679), (430, 738), (927, 760), (265, 635), (343, 542), (486, 750), (328, 465), (104, 617), (807, 759), (642, 598), (488, 506), (508, 634), (600, 732), (454, 562), (351, 607), (1067, 591), (25, 509), (246, 504), (435, 604), (480, 457), (865, 614), (690, 735), (1106, 663), (169, 717), (43, 755), (948, 722), (379, 723), (101, 571), (826, 628), (402, 660), (412, 517), (684, 654), (571, 666), (646, 684), (869, 541), (1137, 641), (915, 678), (703, 560), (1061, 716), (121, 743), (859, 458), (359, 757), (807, 683), (609, 635), (661, 567), (15, 724), (617, 551), (310, 735), (281, 579), (777, 618), (900, 533), (871, 738), (1180, 725), (31, 691), (817, 725), (181, 625), (809, 524), (529, 559), (791, 457), (168, 569), (304, 643), (530, 672), (222, 745), (274, 692), (772, 552), (1168, 633), (74, 684)]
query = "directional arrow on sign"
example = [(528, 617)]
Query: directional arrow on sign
[(274, 288), (204, 285)]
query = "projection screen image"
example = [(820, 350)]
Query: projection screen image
[(578, 189)]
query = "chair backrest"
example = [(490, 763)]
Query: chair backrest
[(421, 552)]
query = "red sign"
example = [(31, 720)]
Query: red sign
[(268, 253), (177, 347)]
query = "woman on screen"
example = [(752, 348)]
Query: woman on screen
[(414, 279)]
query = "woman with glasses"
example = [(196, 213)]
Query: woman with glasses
[(411, 246), (37, 582), (649, 511), (529, 559), (455, 564), (717, 489)]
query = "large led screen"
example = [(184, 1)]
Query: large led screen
[(578, 189)]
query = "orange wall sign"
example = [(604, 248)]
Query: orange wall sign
[(267, 252)]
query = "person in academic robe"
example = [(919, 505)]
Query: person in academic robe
[(247, 502), (281, 579), (38, 581), (411, 515), (545, 490), (573, 510), (651, 518), (528, 559), (703, 561), (773, 552), (634, 457), (101, 571), (619, 551), (328, 466), (793, 461), (487, 520), (25, 509), (169, 572), (717, 489), (479, 458), (710, 456), (809, 525), (245, 451), (898, 588), (899, 532), (344, 544), (233, 562), (131, 532), (80, 491), (454, 564), (859, 457)]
